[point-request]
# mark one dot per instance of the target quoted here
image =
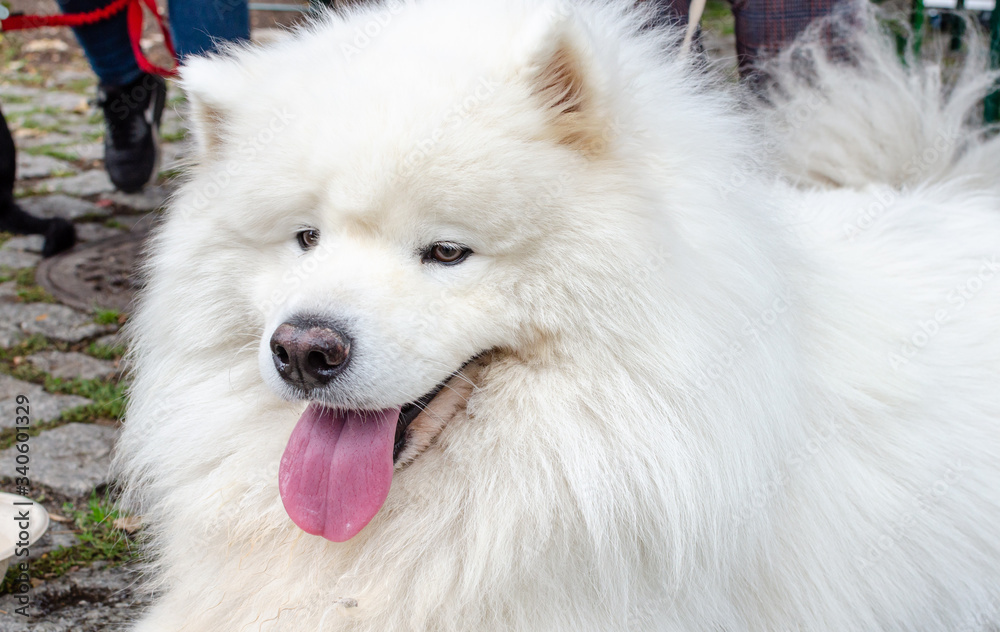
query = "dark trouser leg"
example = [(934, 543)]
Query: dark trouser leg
[(763, 27), (106, 43), (59, 234)]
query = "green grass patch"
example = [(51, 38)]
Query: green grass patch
[(718, 17), (170, 174), (28, 291), (113, 223), (10, 49), (30, 123), (54, 152), (94, 526), (107, 398), (11, 358), (13, 98), (108, 317), (33, 79), (8, 436), (31, 344), (174, 136), (105, 352), (83, 85), (4, 238), (27, 372)]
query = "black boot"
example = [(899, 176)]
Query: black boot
[(132, 122), (59, 234)]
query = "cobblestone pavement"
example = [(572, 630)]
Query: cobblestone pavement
[(67, 361)]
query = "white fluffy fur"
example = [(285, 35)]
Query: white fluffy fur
[(715, 401)]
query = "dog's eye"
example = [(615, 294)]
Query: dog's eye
[(308, 238), (446, 253)]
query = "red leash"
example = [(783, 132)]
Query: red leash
[(21, 22)]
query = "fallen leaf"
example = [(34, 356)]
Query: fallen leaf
[(128, 524), (45, 46), (57, 518)]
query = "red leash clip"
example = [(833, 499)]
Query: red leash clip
[(134, 18)]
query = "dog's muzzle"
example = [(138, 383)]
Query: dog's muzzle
[(309, 352)]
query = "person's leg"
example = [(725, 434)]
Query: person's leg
[(763, 27), (131, 99), (198, 25), (670, 11), (105, 43), (59, 233), (8, 157)]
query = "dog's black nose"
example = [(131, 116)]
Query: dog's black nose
[(309, 353)]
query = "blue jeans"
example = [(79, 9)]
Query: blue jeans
[(196, 25)]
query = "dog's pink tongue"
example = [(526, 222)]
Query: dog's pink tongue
[(336, 470)]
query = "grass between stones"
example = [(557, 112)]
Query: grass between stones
[(53, 151), (96, 527), (82, 85), (105, 352), (31, 344), (174, 136), (108, 317), (718, 17), (107, 395), (108, 398), (28, 291), (94, 523)]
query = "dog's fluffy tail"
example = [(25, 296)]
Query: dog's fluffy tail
[(847, 111)]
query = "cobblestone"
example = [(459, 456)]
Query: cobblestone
[(72, 364), (30, 166), (58, 322), (94, 599), (43, 406), (72, 459), (60, 205), (87, 183)]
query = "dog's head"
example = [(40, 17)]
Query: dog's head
[(397, 222)]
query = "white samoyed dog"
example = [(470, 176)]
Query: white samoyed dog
[(506, 315)]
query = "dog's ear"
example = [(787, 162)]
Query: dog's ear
[(564, 78), (212, 87)]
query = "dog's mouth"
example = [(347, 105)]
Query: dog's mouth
[(409, 412), (338, 465)]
